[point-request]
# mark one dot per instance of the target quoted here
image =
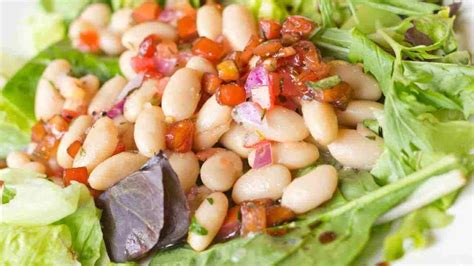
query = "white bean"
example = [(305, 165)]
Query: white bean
[(121, 20), (209, 22), (186, 166), (57, 68), (105, 97), (238, 25), (48, 100), (321, 120), (221, 170), (282, 125), (265, 182), (234, 140), (90, 83), (352, 149), (137, 100), (70, 88), (99, 144), (213, 120), (98, 14), (16, 159), (311, 190), (357, 112), (35, 166), (364, 85), (182, 94), (201, 64), (114, 169), (78, 26), (125, 64), (125, 131), (210, 215), (76, 132), (110, 43), (150, 131), (293, 155), (133, 37)]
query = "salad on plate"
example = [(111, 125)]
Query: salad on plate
[(237, 132)]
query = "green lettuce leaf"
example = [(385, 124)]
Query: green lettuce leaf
[(272, 9), (67, 8), (45, 29)]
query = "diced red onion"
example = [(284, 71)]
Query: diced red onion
[(248, 113), (261, 95), (134, 83), (169, 15), (116, 110), (252, 139), (165, 66), (258, 77), (263, 155)]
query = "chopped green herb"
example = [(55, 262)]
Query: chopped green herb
[(196, 228), (210, 200), (325, 83), (8, 194), (370, 137)]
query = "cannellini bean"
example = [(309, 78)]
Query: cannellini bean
[(150, 129), (282, 125), (57, 68), (125, 132), (182, 94), (76, 132), (209, 22), (210, 215), (213, 120), (137, 100), (121, 20), (201, 64), (110, 43), (186, 166), (238, 25), (364, 85), (105, 97), (234, 140), (357, 112), (114, 169), (293, 155), (48, 100), (133, 37), (98, 14), (352, 149), (310, 190), (90, 83), (125, 64), (35, 166), (78, 26), (265, 182), (70, 88), (221, 170), (321, 120), (16, 159), (99, 144)]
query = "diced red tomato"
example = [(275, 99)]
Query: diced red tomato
[(231, 226), (254, 218), (89, 41), (147, 11), (269, 29), (278, 214), (339, 95), (231, 94), (74, 148), (143, 64), (268, 48), (228, 70), (289, 87), (57, 125), (38, 131), (78, 174), (187, 29), (248, 51), (179, 136), (208, 49), (46, 148), (298, 25), (69, 115), (210, 82), (148, 46)]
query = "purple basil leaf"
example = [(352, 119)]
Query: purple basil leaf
[(454, 8), (416, 37)]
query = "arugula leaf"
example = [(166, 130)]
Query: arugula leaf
[(7, 194)]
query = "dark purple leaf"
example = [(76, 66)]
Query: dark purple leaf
[(416, 37), (146, 210), (454, 8)]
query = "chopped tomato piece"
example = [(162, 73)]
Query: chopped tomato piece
[(228, 70), (38, 131), (268, 48), (210, 82), (148, 46), (74, 148), (208, 49), (89, 41), (231, 226), (231, 94), (269, 29), (298, 25), (248, 51), (278, 214), (289, 83), (308, 55), (147, 11), (286, 51), (339, 95), (69, 115), (187, 29), (120, 148), (254, 219), (57, 125), (143, 64), (78, 174), (46, 148), (179, 136)]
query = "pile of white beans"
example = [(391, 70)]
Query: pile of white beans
[(297, 137)]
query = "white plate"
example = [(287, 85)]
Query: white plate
[(452, 245)]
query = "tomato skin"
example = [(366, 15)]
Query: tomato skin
[(298, 26), (228, 70), (38, 131), (339, 96), (268, 48), (269, 29), (231, 94), (231, 226), (179, 136), (74, 148), (187, 29), (89, 41), (78, 174), (69, 115), (210, 82), (147, 11), (147, 47), (208, 49)]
